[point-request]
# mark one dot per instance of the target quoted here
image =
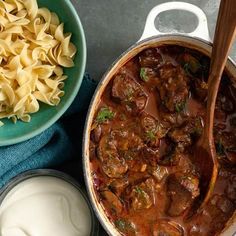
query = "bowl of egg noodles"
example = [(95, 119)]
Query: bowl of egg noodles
[(42, 62)]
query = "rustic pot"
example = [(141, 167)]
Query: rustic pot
[(198, 39)]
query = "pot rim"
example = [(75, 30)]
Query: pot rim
[(106, 78)]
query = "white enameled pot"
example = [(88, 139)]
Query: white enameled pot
[(198, 39)]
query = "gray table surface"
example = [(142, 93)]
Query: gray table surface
[(112, 26)]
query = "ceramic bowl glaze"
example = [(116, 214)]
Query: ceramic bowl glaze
[(12, 133)]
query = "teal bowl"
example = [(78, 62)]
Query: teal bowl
[(12, 133)]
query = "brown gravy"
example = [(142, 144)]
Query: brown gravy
[(148, 120)]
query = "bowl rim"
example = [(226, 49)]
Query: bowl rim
[(4, 191), (99, 210), (59, 113)]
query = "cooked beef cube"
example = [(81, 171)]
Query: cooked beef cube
[(231, 189), (113, 201), (151, 155), (118, 141), (173, 87), (166, 228), (222, 203), (191, 183), (181, 189), (141, 195), (153, 130), (126, 140), (113, 148), (190, 64), (225, 205), (125, 226), (232, 122), (226, 146), (183, 134), (226, 102), (92, 149), (114, 166), (127, 91), (106, 148), (117, 186), (158, 172), (180, 135), (148, 75), (96, 133), (171, 158), (200, 89), (180, 198), (148, 122), (219, 113), (173, 119), (150, 58), (231, 156)]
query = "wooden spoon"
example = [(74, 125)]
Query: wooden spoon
[(204, 157)]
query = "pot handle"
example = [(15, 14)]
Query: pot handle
[(201, 30)]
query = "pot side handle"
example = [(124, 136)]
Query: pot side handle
[(201, 30)]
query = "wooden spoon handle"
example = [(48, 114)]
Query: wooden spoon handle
[(224, 36)]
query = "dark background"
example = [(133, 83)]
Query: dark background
[(111, 26)]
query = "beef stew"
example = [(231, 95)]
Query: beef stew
[(148, 119)]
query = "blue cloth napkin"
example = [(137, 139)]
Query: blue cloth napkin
[(57, 144)]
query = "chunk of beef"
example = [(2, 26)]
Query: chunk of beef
[(224, 204), (190, 63), (218, 208), (190, 182), (148, 122), (173, 87), (117, 186), (96, 133), (148, 75), (171, 158), (117, 141), (231, 189), (150, 58), (173, 119), (92, 149), (114, 166), (151, 156), (152, 129), (183, 135), (165, 228), (158, 172), (220, 114), (127, 91), (232, 122), (113, 201), (181, 189), (141, 196), (226, 102), (200, 89), (180, 135), (226, 146), (113, 151)]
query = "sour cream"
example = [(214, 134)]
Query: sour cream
[(44, 206)]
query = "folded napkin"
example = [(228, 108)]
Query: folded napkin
[(60, 142)]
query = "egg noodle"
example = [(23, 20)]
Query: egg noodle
[(33, 50)]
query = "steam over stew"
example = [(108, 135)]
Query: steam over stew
[(149, 118)]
